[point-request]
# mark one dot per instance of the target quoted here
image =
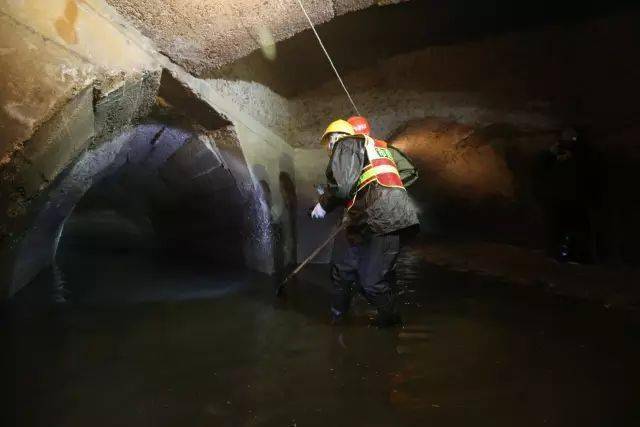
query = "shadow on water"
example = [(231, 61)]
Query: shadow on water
[(146, 340)]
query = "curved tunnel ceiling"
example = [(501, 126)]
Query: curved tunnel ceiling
[(202, 35), (219, 38)]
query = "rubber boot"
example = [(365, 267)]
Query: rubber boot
[(388, 315), (341, 296)]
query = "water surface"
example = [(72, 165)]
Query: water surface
[(149, 341)]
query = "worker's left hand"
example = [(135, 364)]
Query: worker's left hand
[(318, 212)]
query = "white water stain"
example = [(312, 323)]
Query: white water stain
[(13, 109), (267, 42), (7, 50)]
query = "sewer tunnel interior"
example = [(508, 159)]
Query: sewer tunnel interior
[(156, 180), (170, 200)]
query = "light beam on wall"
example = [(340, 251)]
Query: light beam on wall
[(267, 42)]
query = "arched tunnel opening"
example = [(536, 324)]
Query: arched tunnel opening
[(169, 201), (188, 238)]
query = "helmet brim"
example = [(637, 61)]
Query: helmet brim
[(327, 136)]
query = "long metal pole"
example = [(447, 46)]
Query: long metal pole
[(314, 254)]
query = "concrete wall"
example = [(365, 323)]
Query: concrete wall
[(76, 79), (270, 166), (477, 182), (267, 107), (581, 74), (513, 92), (270, 159), (51, 51), (511, 95), (500, 183), (310, 166), (203, 35), (64, 65)]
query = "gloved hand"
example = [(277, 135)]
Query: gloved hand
[(318, 212)]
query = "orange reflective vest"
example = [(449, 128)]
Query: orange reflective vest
[(381, 168)]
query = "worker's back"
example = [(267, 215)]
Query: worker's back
[(377, 207)]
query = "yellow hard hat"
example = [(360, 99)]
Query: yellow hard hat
[(341, 126)]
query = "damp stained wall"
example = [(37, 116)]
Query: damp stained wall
[(204, 35), (52, 50), (78, 76)]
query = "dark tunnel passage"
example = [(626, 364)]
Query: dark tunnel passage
[(169, 200), (162, 200), (163, 171)]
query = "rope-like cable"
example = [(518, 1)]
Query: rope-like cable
[(335, 70)]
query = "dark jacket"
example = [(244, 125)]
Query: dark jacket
[(377, 209)]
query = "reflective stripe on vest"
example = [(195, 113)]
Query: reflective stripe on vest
[(371, 173), (381, 168)]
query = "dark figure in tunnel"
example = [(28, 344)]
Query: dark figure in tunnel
[(568, 191), (363, 176)]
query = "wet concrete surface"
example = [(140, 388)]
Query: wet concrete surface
[(145, 341)]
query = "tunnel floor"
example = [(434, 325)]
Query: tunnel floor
[(148, 343)]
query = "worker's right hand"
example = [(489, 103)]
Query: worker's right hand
[(318, 212)]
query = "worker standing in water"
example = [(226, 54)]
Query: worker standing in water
[(363, 177)]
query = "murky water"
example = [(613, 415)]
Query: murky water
[(148, 342)]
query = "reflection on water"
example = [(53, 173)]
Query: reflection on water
[(152, 341)]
